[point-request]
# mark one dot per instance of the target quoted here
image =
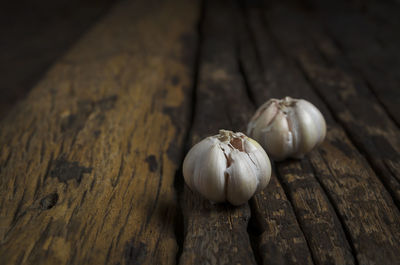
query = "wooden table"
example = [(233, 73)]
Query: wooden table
[(90, 161)]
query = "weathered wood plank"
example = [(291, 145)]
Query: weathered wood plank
[(217, 233), (315, 213), (88, 159), (349, 98), (378, 62), (353, 189), (281, 240), (342, 160)]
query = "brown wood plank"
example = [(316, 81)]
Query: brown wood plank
[(356, 172), (350, 99), (315, 213), (281, 240), (378, 62), (217, 233), (354, 190), (88, 160)]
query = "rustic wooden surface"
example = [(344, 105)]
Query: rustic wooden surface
[(90, 161), (216, 234)]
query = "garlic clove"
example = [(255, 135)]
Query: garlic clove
[(267, 113), (208, 180), (257, 156), (189, 163), (308, 131), (312, 127), (211, 178), (279, 137), (317, 117), (242, 178)]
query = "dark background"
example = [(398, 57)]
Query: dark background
[(34, 34)]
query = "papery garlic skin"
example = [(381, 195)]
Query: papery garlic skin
[(287, 127), (227, 167)]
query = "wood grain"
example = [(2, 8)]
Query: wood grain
[(378, 62), (217, 233), (213, 231), (367, 123), (88, 160), (314, 212), (281, 239), (340, 170)]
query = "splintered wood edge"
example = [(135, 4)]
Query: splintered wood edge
[(88, 159)]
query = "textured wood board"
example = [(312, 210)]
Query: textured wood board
[(88, 160), (266, 68), (216, 233), (363, 117), (370, 47), (340, 173)]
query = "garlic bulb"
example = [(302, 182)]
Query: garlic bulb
[(227, 167), (287, 128)]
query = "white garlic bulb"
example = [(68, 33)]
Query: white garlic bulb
[(227, 167), (287, 128)]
